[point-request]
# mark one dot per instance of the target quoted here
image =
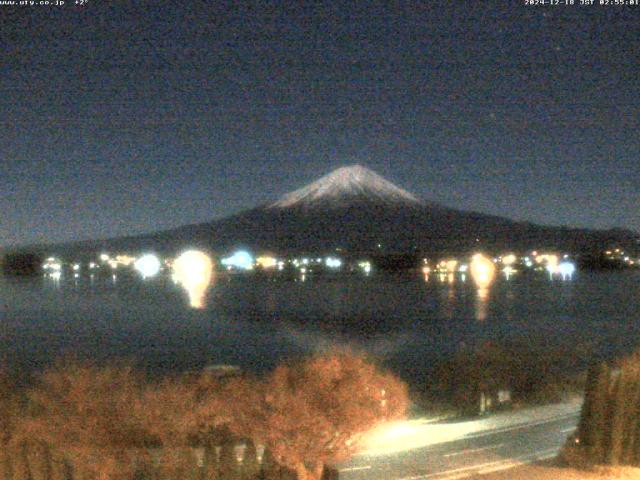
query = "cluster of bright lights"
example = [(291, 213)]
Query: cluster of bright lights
[(241, 260), (619, 254), (147, 265), (125, 260), (365, 266), (333, 262), (509, 259), (267, 262), (193, 270)]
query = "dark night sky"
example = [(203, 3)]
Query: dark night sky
[(126, 117)]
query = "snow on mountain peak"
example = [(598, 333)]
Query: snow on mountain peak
[(354, 181)]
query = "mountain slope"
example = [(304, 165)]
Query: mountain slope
[(358, 211)]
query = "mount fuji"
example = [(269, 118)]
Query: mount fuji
[(347, 185), (353, 209)]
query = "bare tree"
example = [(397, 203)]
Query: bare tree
[(88, 415), (313, 412)]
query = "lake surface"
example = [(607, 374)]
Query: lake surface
[(254, 322)]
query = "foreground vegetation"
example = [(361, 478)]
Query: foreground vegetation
[(532, 372), (80, 421), (609, 429)]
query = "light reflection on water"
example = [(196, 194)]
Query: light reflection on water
[(255, 321)]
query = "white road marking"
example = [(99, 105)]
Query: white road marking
[(487, 467), (567, 430), (473, 450), (521, 426), (354, 469)]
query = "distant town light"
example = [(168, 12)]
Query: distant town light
[(52, 265), (267, 262), (509, 259), (333, 262), (508, 271), (240, 259), (104, 257), (125, 260), (482, 270), (365, 266), (193, 270), (566, 269), (147, 265)]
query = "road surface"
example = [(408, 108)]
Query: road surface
[(418, 450)]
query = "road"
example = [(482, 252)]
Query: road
[(420, 450)]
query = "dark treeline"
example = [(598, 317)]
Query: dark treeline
[(78, 421), (528, 370), (21, 264)]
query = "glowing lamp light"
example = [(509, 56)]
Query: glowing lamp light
[(240, 259), (508, 271), (193, 270), (52, 265), (147, 265), (482, 270), (566, 269), (451, 265)]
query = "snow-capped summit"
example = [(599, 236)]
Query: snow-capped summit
[(344, 184)]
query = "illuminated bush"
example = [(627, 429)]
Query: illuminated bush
[(313, 411)]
